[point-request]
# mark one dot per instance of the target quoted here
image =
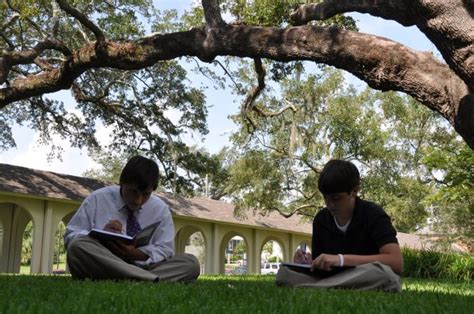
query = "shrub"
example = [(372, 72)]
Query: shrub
[(272, 259), (431, 264)]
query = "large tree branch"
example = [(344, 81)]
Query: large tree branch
[(388, 9), (382, 63), (449, 24), (212, 13), (266, 113), (10, 21), (13, 58), (254, 92), (64, 5), (298, 210)]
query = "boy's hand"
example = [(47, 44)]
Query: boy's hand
[(325, 262), (114, 226), (127, 252), (302, 258)]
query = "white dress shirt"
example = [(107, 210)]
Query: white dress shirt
[(107, 204)]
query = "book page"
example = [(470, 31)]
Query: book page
[(109, 236), (143, 237), (304, 266)]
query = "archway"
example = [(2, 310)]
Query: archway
[(235, 254), (14, 220), (271, 255), (190, 239), (59, 255), (303, 245), (67, 218), (27, 248)]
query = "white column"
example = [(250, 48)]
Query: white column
[(38, 232), (254, 258), (6, 217), (48, 240)]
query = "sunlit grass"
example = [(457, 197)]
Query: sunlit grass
[(223, 294)]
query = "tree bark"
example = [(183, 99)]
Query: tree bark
[(382, 63)]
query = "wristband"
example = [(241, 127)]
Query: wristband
[(341, 260)]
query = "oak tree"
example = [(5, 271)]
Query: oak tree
[(49, 46)]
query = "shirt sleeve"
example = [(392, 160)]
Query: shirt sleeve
[(381, 229), (316, 248), (162, 242), (81, 223)]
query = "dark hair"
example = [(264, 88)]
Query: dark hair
[(141, 171), (338, 176)]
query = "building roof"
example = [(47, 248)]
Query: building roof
[(212, 210), (45, 184)]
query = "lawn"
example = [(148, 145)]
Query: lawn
[(223, 294)]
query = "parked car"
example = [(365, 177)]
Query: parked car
[(269, 268)]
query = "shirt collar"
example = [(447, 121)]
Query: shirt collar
[(328, 221), (124, 208)]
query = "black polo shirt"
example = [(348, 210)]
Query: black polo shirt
[(369, 229)]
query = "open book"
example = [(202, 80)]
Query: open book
[(306, 269), (301, 268), (142, 238)]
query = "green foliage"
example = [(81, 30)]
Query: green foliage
[(272, 259), (268, 247), (386, 134), (432, 264), (146, 111), (110, 167), (453, 202), (240, 249), (27, 244), (275, 162), (275, 13), (59, 248), (198, 242), (224, 294), (257, 177)]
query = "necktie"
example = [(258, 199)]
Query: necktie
[(132, 224)]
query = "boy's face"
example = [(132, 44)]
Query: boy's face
[(340, 203), (134, 197)]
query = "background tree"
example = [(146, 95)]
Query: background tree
[(88, 38), (27, 244), (387, 135), (59, 248), (207, 178), (129, 82), (146, 111), (110, 167), (453, 202)]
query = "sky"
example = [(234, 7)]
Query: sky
[(221, 104)]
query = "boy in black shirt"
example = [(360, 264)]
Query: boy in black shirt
[(354, 244)]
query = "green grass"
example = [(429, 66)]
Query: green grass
[(223, 294)]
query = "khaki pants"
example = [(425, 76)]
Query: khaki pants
[(88, 258), (372, 276)]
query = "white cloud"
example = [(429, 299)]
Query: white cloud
[(32, 155)]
